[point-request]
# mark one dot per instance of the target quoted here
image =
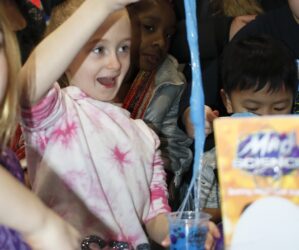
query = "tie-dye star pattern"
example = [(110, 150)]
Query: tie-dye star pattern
[(120, 157)]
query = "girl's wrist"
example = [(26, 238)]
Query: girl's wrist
[(104, 6)]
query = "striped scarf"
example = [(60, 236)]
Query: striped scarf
[(139, 95)]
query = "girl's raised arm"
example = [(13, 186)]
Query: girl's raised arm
[(53, 55)]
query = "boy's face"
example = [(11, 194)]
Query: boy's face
[(157, 27), (103, 62), (3, 68), (262, 102)]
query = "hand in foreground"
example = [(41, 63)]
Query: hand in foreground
[(212, 234), (53, 234), (238, 23)]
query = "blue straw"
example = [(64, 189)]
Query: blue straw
[(197, 99)]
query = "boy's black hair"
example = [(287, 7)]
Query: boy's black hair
[(257, 61)]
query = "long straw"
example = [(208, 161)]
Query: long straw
[(196, 102)]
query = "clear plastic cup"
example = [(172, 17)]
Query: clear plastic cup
[(188, 230)]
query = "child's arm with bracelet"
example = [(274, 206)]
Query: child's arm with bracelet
[(156, 223), (40, 227), (54, 54), (157, 229)]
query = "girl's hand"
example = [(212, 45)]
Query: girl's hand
[(166, 241), (118, 4), (53, 234), (211, 235), (238, 23)]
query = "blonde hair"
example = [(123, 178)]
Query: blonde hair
[(236, 8), (9, 107)]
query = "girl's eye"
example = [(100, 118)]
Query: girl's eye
[(124, 49), (149, 28), (98, 50), (169, 36)]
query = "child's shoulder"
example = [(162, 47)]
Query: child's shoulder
[(147, 131), (209, 158), (170, 72)]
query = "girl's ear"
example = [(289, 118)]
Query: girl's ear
[(226, 101)]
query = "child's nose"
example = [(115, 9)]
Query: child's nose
[(159, 41), (266, 111), (113, 62)]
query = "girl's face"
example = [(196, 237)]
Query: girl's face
[(3, 68), (102, 64), (158, 24)]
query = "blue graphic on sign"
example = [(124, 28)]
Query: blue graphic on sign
[(268, 153)]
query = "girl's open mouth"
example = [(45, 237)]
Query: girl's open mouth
[(107, 82)]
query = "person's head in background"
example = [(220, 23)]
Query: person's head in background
[(259, 75), (294, 6), (28, 21), (9, 67), (157, 23), (101, 65), (236, 8)]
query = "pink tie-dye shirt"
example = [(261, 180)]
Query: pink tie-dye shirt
[(94, 165)]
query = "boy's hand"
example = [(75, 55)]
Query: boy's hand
[(188, 123), (238, 23), (210, 116), (210, 240)]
